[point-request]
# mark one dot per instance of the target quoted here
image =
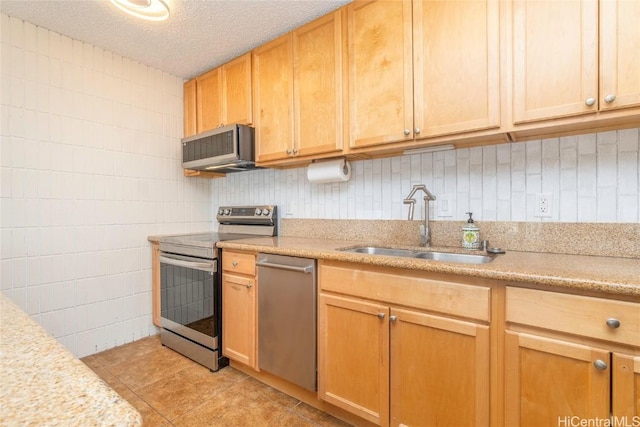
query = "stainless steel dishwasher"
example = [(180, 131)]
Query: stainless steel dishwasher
[(287, 318)]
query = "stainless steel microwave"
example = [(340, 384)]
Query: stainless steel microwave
[(226, 149)]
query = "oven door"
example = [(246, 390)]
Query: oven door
[(188, 288)]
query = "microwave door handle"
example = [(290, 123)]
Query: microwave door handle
[(204, 266)]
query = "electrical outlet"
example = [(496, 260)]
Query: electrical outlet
[(543, 208), (444, 206)]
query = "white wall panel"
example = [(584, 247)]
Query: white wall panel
[(90, 159)]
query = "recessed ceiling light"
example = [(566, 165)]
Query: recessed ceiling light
[(152, 10)]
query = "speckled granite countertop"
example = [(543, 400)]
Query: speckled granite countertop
[(611, 275), (43, 384)]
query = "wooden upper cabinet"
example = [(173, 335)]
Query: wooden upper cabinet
[(555, 54), (273, 98), (619, 54), (318, 49), (209, 100), (223, 95), (237, 106), (456, 48), (298, 92), (380, 72), (189, 118)]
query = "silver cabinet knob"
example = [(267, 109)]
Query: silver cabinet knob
[(234, 263), (407, 132), (590, 101), (290, 152), (417, 131), (380, 315), (600, 365), (613, 323), (393, 318), (249, 285), (295, 151), (609, 98)]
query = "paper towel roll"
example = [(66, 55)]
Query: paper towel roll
[(338, 170)]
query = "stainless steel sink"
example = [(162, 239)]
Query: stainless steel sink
[(430, 255)]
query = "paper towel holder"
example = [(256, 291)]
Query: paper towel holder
[(340, 175)]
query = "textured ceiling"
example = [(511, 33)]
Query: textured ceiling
[(199, 34)]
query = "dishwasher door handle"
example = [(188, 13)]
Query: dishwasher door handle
[(306, 269)]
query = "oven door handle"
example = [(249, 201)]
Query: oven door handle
[(204, 266)]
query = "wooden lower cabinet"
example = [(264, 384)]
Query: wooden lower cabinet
[(239, 307), (626, 387), (548, 380), (239, 319), (439, 371), (400, 367), (353, 359), (571, 359)]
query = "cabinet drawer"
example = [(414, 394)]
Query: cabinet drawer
[(575, 314), (239, 262), (394, 287)]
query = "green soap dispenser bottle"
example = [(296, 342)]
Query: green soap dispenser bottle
[(470, 234)]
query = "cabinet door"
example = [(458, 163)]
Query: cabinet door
[(456, 71), (317, 84), (439, 371), (239, 319), (236, 91), (550, 380), (619, 54), (555, 56), (273, 99), (190, 119), (209, 100), (353, 356), (626, 387), (380, 72)]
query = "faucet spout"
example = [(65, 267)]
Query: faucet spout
[(425, 230)]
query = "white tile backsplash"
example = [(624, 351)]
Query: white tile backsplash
[(89, 155), (592, 178)]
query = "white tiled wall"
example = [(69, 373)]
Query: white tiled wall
[(90, 167), (591, 178)]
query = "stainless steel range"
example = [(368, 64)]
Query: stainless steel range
[(191, 279)]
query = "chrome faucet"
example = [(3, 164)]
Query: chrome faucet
[(425, 231)]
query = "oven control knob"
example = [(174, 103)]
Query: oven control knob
[(221, 211), (258, 211), (265, 212), (227, 211)]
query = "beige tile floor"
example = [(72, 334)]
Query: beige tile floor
[(171, 390)]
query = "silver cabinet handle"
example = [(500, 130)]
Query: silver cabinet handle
[(393, 318), (609, 98), (295, 151), (590, 102), (290, 152), (417, 131), (234, 263), (380, 315), (249, 285), (600, 365), (407, 132), (613, 323)]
